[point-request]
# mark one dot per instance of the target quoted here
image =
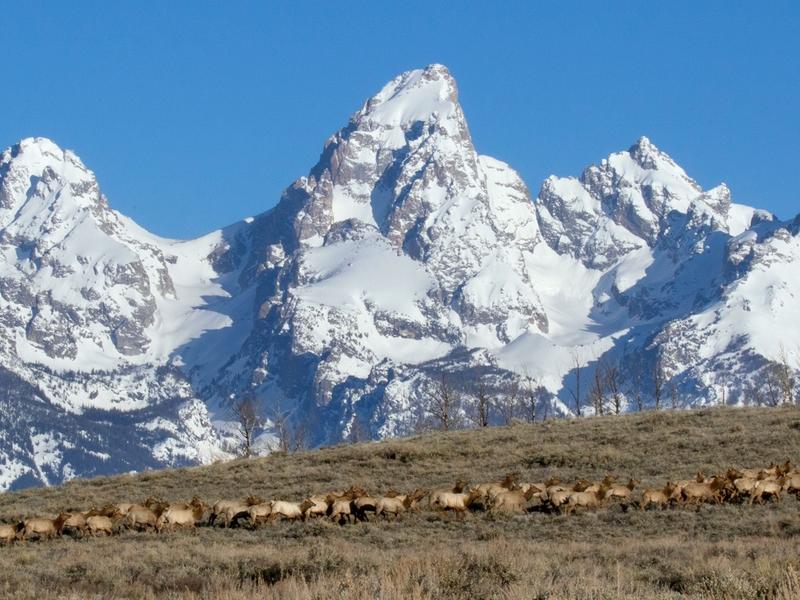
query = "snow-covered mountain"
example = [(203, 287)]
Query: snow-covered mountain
[(403, 259)]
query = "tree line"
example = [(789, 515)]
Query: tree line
[(483, 398)]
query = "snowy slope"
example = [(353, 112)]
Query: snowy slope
[(402, 256)]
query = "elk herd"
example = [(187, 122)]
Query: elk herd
[(355, 504)]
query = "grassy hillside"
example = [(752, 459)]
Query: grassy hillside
[(729, 551)]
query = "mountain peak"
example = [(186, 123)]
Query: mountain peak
[(647, 154), (42, 143), (413, 96), (33, 150), (35, 153), (44, 163)]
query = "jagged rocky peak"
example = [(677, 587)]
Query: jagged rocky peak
[(77, 277), (630, 199), (640, 187), (396, 161), (406, 165), (37, 169), (648, 156), (418, 96), (386, 168)]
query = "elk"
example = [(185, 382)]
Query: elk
[(181, 515), (315, 506), (141, 519), (435, 496), (584, 500), (512, 500), (487, 491), (556, 496), (396, 505), (742, 486), (538, 489), (792, 483), (657, 497), (621, 492), (585, 486), (72, 524), (767, 487), (227, 512), (458, 502), (97, 524), (362, 505), (42, 529), (696, 492), (8, 533), (259, 513), (342, 508), (284, 510)]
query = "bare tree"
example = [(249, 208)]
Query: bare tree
[(576, 393), (637, 382), (248, 419), (754, 392), (508, 402), (659, 379), (785, 377), (280, 424), (673, 395), (482, 406), (597, 391), (772, 385), (298, 438), (444, 404), (289, 437), (530, 397), (612, 383)]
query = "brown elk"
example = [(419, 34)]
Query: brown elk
[(97, 524), (140, 518), (181, 515), (398, 504), (767, 487), (259, 513), (341, 508), (315, 506), (708, 491), (584, 500), (621, 492), (280, 509), (487, 491), (657, 497), (38, 528), (8, 533), (512, 500), (72, 524)]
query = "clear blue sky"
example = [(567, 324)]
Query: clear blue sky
[(196, 114)]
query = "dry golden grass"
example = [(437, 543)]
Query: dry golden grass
[(729, 551)]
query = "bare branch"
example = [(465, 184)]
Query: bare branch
[(613, 385), (659, 380), (576, 393), (444, 404), (248, 419), (508, 403), (482, 406), (785, 376), (597, 391)]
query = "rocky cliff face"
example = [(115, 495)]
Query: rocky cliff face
[(402, 258)]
